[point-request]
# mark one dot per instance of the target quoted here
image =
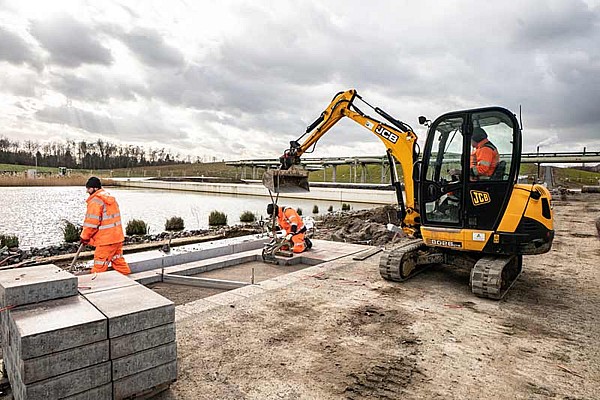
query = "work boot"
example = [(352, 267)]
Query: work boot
[(308, 243)]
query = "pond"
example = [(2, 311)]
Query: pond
[(37, 214)]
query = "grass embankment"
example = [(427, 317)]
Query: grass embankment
[(568, 177)]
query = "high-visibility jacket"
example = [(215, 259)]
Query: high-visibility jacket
[(102, 224), (484, 159), (288, 219)]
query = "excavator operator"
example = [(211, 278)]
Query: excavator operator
[(484, 157), (289, 220)]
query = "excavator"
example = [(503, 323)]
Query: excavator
[(450, 215)]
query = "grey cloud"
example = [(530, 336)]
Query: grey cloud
[(70, 42), (151, 49), (146, 126), (15, 50), (96, 87)]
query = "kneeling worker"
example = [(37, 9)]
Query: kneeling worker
[(289, 220), (102, 229)]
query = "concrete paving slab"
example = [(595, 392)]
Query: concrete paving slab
[(28, 285), (133, 384), (225, 298), (128, 344), (147, 277), (92, 283), (197, 307), (64, 385), (40, 368), (103, 392), (55, 325), (143, 360), (203, 282), (133, 308), (249, 291)]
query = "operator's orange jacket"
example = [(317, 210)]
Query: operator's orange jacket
[(102, 225), (484, 159)]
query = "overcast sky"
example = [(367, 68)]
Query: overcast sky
[(240, 79)]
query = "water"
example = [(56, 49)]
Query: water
[(36, 214)]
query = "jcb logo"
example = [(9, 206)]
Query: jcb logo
[(381, 131), (478, 198)]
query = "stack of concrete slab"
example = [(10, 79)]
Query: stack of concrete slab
[(141, 332), (55, 343), (111, 338)]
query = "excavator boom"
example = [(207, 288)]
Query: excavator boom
[(398, 138)]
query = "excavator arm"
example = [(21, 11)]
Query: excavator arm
[(399, 139)]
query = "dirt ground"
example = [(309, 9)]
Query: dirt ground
[(348, 334)]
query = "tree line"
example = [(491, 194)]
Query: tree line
[(97, 154)]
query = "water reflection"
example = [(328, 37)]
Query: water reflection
[(34, 214)]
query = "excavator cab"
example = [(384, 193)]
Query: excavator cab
[(456, 189)]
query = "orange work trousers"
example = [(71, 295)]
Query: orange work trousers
[(299, 243), (110, 255)]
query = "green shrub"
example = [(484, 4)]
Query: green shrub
[(315, 209), (330, 209), (174, 224), (71, 232), (299, 211), (136, 227), (247, 216), (345, 207), (217, 218), (9, 241)]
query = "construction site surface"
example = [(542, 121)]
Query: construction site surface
[(325, 325)]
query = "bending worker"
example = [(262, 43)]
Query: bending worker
[(289, 220), (102, 228), (484, 157)]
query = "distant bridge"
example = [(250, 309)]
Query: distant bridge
[(360, 162)]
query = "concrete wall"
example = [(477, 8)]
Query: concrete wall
[(316, 193)]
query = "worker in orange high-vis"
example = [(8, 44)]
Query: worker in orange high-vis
[(484, 157), (102, 229), (290, 221)]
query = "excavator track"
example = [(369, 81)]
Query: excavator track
[(493, 276), (401, 263)]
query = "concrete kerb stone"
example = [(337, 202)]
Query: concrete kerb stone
[(143, 360), (133, 308), (138, 383), (44, 367), (185, 254), (64, 385), (40, 329), (92, 283), (21, 286), (135, 342), (104, 392)]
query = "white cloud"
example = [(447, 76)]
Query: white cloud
[(239, 79)]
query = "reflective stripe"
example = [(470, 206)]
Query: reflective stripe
[(475, 172), (88, 225), (110, 225), (97, 200), (100, 262), (106, 216), (486, 163), (92, 216)]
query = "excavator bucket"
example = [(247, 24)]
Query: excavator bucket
[(286, 180)]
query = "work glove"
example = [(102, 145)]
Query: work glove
[(288, 236)]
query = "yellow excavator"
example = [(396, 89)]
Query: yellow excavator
[(452, 214)]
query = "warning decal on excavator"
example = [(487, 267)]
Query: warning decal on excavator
[(445, 243), (478, 198)]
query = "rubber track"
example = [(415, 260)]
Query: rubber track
[(391, 260), (486, 277)]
